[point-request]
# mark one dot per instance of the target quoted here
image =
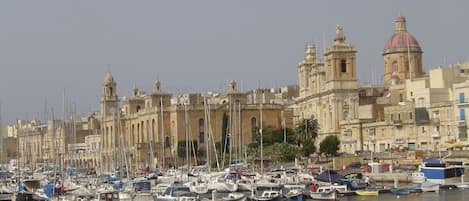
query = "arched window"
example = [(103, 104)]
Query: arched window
[(138, 108), (138, 133), (167, 143), (153, 130), (201, 131), (343, 66), (253, 128), (141, 131), (132, 135), (394, 67), (110, 91)]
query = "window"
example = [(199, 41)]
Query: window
[(253, 128), (462, 114), (461, 98), (401, 98), (394, 67), (201, 131), (343, 66), (411, 146), (410, 115), (138, 108), (167, 143), (110, 91)]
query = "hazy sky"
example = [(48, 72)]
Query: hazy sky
[(47, 47)]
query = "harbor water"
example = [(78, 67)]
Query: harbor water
[(442, 195)]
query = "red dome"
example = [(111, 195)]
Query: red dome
[(401, 40)]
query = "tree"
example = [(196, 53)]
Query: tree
[(308, 148), (307, 129), (283, 152), (329, 145), (181, 149)]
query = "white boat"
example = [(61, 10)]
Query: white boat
[(263, 190), (234, 197), (160, 188), (268, 196), (5, 194), (324, 193), (417, 177), (244, 184), (144, 196), (223, 185), (198, 187), (430, 187), (463, 186), (177, 193), (114, 196)]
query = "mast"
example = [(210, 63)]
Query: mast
[(162, 133), (151, 143), (260, 130), (1, 135), (207, 140), (231, 133), (188, 157)]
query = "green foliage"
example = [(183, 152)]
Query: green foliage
[(283, 152), (308, 147), (307, 128), (272, 135), (329, 145), (181, 148)]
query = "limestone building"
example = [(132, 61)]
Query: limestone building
[(148, 129), (411, 110), (328, 87)]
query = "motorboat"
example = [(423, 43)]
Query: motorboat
[(417, 177), (234, 197), (269, 196), (264, 191), (5, 194), (324, 193), (429, 187), (178, 193), (295, 195)]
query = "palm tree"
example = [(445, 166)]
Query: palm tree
[(307, 129)]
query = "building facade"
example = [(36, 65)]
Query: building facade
[(411, 110)]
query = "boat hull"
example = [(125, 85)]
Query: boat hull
[(367, 193)]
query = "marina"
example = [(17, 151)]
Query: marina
[(226, 101)]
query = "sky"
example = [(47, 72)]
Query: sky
[(51, 48)]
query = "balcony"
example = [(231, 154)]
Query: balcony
[(436, 120), (397, 123), (460, 121), (436, 135), (399, 141), (462, 102)]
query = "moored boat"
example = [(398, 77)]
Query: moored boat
[(437, 171), (234, 197), (367, 192), (429, 187), (324, 193)]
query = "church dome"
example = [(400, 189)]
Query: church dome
[(401, 40)]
